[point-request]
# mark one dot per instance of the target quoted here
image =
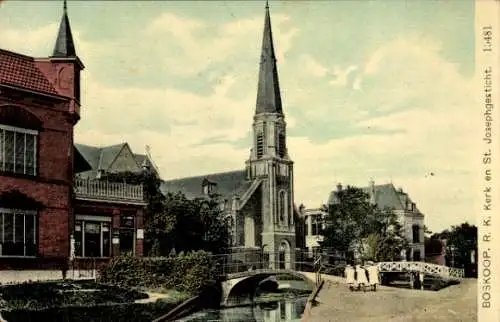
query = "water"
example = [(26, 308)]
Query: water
[(287, 309)]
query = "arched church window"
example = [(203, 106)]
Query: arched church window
[(281, 145), (282, 205), (260, 145)]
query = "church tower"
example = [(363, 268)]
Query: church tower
[(269, 161)]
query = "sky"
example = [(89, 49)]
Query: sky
[(378, 90)]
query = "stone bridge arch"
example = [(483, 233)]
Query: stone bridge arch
[(241, 287)]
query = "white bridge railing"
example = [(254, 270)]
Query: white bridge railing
[(423, 267)]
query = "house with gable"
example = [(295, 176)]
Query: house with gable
[(386, 196), (259, 198), (55, 212)]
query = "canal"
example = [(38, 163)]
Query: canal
[(289, 305), (286, 309)]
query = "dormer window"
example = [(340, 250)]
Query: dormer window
[(18, 150), (208, 187)]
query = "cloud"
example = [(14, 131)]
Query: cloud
[(412, 92), (403, 112), (196, 51)]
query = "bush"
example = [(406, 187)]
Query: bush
[(186, 272)]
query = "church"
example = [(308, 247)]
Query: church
[(259, 198)]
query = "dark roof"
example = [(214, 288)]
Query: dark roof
[(64, 47), (384, 195), (227, 184), (108, 155), (268, 88), (21, 71), (101, 158)]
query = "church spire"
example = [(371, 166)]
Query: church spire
[(268, 89), (64, 46)]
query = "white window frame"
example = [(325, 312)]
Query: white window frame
[(101, 220), (15, 130), (16, 213)]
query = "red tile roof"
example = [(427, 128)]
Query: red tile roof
[(21, 71)]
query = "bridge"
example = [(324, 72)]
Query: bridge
[(239, 288), (434, 270), (241, 277)]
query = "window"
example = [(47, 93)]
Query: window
[(17, 232), (281, 145), (316, 225), (17, 150), (282, 206), (260, 145), (416, 233), (416, 255), (127, 236), (92, 238)]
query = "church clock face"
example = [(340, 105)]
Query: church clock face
[(65, 78)]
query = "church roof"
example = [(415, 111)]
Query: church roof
[(227, 184), (384, 195), (64, 47), (268, 89), (21, 71)]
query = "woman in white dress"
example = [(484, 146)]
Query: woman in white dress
[(361, 277), (373, 275), (349, 275)]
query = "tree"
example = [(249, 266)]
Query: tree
[(348, 220), (355, 224), (461, 244), (385, 240), (215, 226), (172, 221)]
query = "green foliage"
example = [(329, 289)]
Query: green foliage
[(461, 240), (353, 223), (174, 222), (186, 272), (348, 219), (102, 313), (385, 239), (63, 301), (43, 295)]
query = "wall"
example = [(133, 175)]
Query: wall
[(114, 210), (52, 185)]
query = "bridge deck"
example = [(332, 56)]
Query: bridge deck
[(441, 271)]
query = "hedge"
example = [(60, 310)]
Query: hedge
[(186, 272)]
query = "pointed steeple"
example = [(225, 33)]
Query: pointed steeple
[(268, 89), (64, 47)]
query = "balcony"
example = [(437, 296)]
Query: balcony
[(99, 190)]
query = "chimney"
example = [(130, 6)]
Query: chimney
[(339, 186)]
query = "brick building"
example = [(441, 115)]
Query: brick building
[(41, 203)]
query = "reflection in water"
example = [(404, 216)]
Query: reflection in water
[(289, 309)]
